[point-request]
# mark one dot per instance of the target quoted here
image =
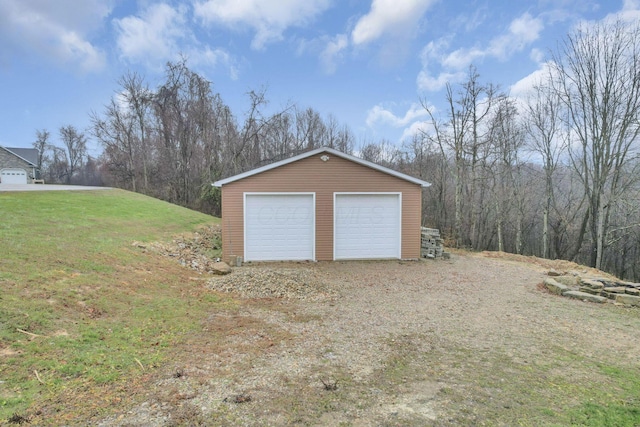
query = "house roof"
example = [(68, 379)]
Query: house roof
[(327, 150), (29, 155)]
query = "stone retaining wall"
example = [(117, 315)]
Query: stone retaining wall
[(593, 289)]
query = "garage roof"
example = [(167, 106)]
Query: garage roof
[(327, 150), (29, 155)]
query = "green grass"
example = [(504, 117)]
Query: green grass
[(81, 309), (491, 388), (619, 407)]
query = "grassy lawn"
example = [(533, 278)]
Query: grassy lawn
[(84, 315)]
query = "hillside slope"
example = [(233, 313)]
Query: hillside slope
[(83, 311)]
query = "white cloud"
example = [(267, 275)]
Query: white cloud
[(160, 33), (462, 58), (522, 31), (428, 83), (153, 36), (523, 87), (630, 10), (521, 90), (213, 58), (333, 51), (389, 16), (537, 55), (48, 29), (268, 18), (416, 128), (379, 114)]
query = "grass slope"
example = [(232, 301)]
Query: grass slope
[(84, 315)]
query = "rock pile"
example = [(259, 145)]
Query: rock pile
[(274, 282), (431, 244), (192, 251), (593, 289)]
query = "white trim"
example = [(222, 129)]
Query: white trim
[(397, 193), (328, 150), (277, 193)]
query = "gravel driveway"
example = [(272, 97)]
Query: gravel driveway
[(468, 341)]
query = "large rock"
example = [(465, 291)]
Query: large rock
[(632, 291), (589, 290), (628, 300), (554, 287), (612, 292), (584, 296), (220, 268), (567, 280), (593, 284)]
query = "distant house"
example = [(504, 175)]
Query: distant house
[(321, 205), (18, 165)]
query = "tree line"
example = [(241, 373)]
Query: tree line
[(554, 175)]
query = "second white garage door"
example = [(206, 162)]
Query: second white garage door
[(279, 226), (367, 225)]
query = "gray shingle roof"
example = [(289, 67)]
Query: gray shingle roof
[(28, 154)]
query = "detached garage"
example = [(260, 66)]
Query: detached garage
[(321, 205)]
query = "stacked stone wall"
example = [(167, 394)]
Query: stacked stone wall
[(593, 289)]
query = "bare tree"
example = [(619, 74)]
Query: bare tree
[(462, 135), (542, 123), (75, 150), (183, 108), (42, 144), (597, 76), (116, 133), (506, 139), (310, 129), (138, 101)]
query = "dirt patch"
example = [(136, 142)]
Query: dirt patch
[(469, 341), (559, 265)]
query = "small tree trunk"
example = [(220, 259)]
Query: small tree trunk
[(545, 233), (600, 237), (499, 227)]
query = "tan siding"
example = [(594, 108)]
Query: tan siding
[(324, 178)]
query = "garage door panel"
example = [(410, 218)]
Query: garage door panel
[(367, 226), (279, 227), (13, 176)]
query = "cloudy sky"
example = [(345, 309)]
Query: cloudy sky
[(367, 62)]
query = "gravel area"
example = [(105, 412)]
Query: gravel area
[(456, 342), (265, 281)]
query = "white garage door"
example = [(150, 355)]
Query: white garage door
[(367, 226), (13, 176), (279, 227)]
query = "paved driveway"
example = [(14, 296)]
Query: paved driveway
[(47, 187)]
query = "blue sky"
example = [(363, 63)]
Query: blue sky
[(366, 62)]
